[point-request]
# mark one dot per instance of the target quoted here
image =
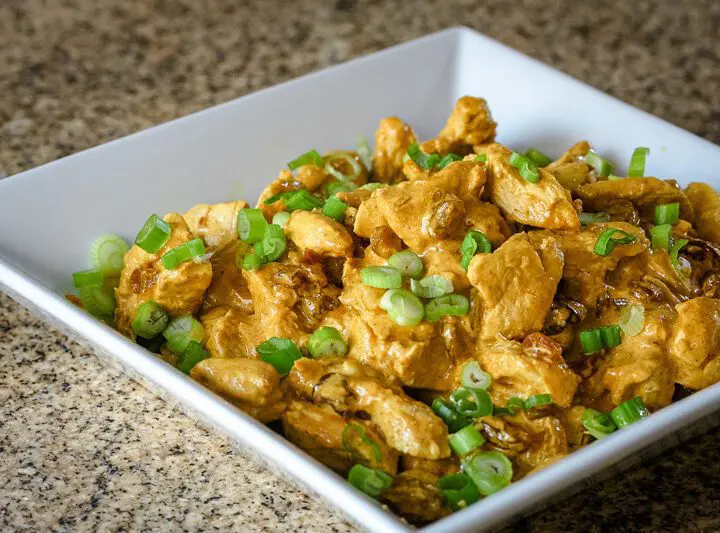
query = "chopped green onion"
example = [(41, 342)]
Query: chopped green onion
[(610, 238), (185, 252), (192, 355), (153, 235), (339, 186), (591, 341), (407, 262), (381, 277), (475, 377), (364, 151), (481, 158), (372, 186), (613, 177), (629, 412), (602, 166), (431, 286), (490, 471), (308, 158), (661, 236), (591, 218), (537, 157), (150, 320), (515, 405), (371, 482), (667, 213), (108, 254), (280, 353), (466, 440), (302, 200), (326, 342), (501, 411), (252, 262), (335, 208), (447, 159), (279, 196), (675, 250), (632, 320), (88, 278), (458, 490), (450, 304), (475, 242), (403, 307), (471, 402), (349, 445), (637, 163), (181, 331), (453, 420), (597, 423), (610, 336), (538, 400), (525, 166), (423, 160), (251, 225), (281, 218), (273, 243), (98, 300), (347, 158)]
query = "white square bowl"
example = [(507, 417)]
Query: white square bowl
[(50, 215)]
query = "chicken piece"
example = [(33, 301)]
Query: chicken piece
[(443, 259), (250, 384), (285, 182), (230, 332), (319, 431), (384, 242), (228, 286), (644, 193), (706, 205), (486, 217), (406, 425), (319, 234), (545, 204), (695, 343), (392, 139), (180, 291), (516, 285), (522, 370), (577, 436), (439, 467), (215, 224), (414, 496), (571, 175), (639, 366), (576, 153), (469, 124)]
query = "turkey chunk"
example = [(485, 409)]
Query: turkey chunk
[(251, 385), (180, 291), (392, 139), (516, 285), (545, 204), (319, 234), (706, 203), (695, 343), (469, 124), (215, 224), (230, 332)]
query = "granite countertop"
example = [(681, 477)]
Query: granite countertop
[(83, 447)]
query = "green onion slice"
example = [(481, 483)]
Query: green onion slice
[(675, 250), (403, 307), (591, 341), (279, 196), (637, 162), (326, 342), (280, 353), (98, 300), (88, 278), (453, 420), (251, 225), (447, 159), (661, 236), (629, 412), (475, 242), (370, 481), (602, 166), (450, 304), (475, 377), (181, 331), (591, 218), (335, 208), (273, 243), (150, 320), (337, 186), (252, 262), (187, 251), (373, 186), (466, 440), (364, 151), (481, 158), (458, 490), (610, 238), (308, 158), (597, 423), (302, 200), (431, 286), (108, 254), (537, 157), (344, 157), (423, 160), (538, 400), (407, 262), (667, 213), (525, 166), (281, 218), (490, 471), (612, 177), (515, 405), (192, 355), (381, 277), (355, 437), (153, 235), (471, 402), (632, 320), (610, 336)]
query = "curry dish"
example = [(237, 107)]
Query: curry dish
[(433, 320)]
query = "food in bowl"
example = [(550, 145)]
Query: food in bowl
[(432, 320)]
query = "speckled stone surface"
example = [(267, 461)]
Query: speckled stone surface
[(83, 448)]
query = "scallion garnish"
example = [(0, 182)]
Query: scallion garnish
[(326, 342), (629, 412), (475, 377), (279, 196), (423, 160), (447, 159), (150, 320), (610, 238), (610, 336), (185, 252), (251, 225), (153, 235), (108, 254), (88, 278), (602, 166), (273, 243), (308, 158), (637, 162), (515, 405), (667, 213), (632, 320), (481, 158), (597, 423), (252, 262), (489, 471), (675, 250), (280, 353), (475, 242), (466, 440), (181, 331), (192, 355), (302, 200), (346, 158), (354, 432), (98, 300), (381, 277), (450, 304), (281, 218), (337, 186), (525, 166), (373, 186), (335, 208), (403, 307), (537, 157), (370, 481), (458, 490), (407, 262), (591, 341), (471, 402), (431, 286), (538, 400), (661, 236), (592, 218), (453, 420)]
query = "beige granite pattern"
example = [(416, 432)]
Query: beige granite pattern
[(83, 448)]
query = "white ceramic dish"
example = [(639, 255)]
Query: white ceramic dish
[(233, 150)]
